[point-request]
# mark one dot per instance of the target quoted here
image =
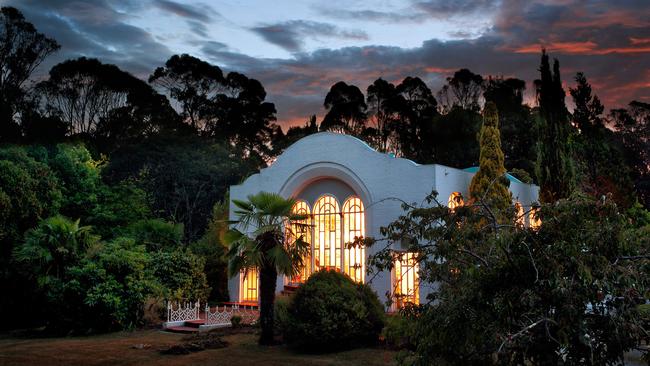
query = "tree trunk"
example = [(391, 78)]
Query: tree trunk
[(268, 279)]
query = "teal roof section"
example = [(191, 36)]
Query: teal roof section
[(510, 177)]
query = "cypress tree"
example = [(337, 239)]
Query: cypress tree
[(489, 183), (555, 170)]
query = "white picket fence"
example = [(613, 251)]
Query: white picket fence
[(221, 316), (182, 311)]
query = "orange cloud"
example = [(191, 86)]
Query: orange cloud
[(636, 41), (580, 48)]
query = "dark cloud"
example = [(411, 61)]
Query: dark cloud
[(289, 35), (403, 16), (202, 13), (95, 29), (446, 8), (611, 44)]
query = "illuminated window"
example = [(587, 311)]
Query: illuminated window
[(520, 215), (353, 226), (249, 285), (535, 221), (406, 283), (327, 233), (301, 229), (455, 200)]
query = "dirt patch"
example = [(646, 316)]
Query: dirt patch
[(195, 343), (141, 348)]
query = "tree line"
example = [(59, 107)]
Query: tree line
[(109, 108)]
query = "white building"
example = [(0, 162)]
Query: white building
[(349, 189)]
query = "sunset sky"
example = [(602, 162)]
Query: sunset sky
[(298, 49)]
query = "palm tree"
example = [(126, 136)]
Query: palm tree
[(56, 243), (266, 220)]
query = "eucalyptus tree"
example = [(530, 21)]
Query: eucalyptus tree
[(346, 109), (22, 50)]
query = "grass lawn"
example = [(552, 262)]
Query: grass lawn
[(117, 349)]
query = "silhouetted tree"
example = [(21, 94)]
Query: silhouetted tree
[(463, 90), (416, 108), (104, 102), (555, 170), (294, 133), (633, 130), (516, 122), (455, 138), (193, 83), (382, 109), (22, 49), (346, 109), (588, 110), (242, 117), (229, 108), (599, 157)]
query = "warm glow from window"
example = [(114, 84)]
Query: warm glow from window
[(327, 237), (353, 226), (249, 285), (406, 283), (520, 215), (535, 221), (455, 200), (301, 229)]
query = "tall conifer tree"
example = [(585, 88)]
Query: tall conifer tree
[(489, 183), (555, 170)]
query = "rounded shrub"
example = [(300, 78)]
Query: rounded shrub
[(331, 312)]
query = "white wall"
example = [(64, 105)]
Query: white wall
[(381, 181)]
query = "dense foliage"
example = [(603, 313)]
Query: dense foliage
[(564, 293), (95, 270), (330, 312)]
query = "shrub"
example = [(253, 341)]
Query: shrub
[(399, 332), (113, 284), (212, 248), (330, 312), (281, 312), (181, 275), (156, 234), (235, 320)]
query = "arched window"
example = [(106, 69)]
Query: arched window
[(406, 282), (327, 233), (535, 221), (249, 285), (302, 229), (353, 226), (520, 216), (455, 200)]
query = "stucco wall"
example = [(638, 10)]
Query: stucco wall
[(343, 163)]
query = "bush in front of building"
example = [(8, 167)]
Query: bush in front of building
[(331, 312)]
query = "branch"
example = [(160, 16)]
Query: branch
[(524, 330)]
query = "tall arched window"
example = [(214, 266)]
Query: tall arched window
[(353, 226), (302, 229), (406, 282), (249, 285), (455, 200), (520, 216), (327, 233)]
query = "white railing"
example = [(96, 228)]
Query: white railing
[(223, 316), (182, 311)]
